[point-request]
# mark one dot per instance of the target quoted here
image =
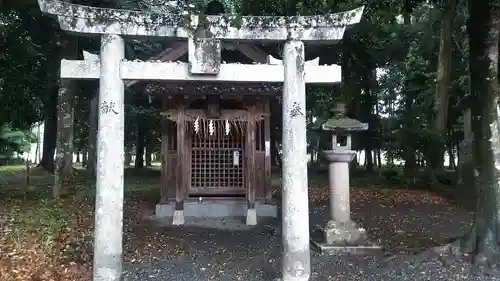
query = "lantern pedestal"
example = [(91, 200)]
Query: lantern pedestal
[(341, 234)]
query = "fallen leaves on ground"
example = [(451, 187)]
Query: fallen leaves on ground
[(399, 219), (46, 240), (388, 197), (42, 240)]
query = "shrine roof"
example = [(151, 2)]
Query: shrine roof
[(94, 20), (344, 124), (212, 88), (203, 88)]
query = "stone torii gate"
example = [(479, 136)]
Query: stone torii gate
[(204, 65)]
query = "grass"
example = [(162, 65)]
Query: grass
[(44, 239)]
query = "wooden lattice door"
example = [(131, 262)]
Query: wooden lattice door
[(217, 157)]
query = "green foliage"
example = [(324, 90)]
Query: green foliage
[(28, 59), (14, 141), (391, 173), (396, 39)]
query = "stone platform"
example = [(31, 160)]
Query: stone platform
[(216, 209), (326, 249), (342, 238)]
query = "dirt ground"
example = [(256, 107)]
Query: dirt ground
[(404, 222)]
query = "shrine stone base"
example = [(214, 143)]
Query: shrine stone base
[(343, 238), (217, 209)]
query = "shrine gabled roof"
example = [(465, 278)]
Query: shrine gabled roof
[(203, 88), (212, 88)]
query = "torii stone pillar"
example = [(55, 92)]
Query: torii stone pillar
[(295, 204), (110, 163)]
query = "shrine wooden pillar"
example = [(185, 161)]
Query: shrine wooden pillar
[(180, 188), (267, 150), (250, 179), (164, 154)]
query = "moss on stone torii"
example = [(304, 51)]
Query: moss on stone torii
[(94, 20)]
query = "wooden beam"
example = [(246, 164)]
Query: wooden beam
[(179, 188), (267, 150), (250, 180), (177, 50), (164, 155), (193, 114), (252, 52)]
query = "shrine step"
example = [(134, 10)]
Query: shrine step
[(216, 209)]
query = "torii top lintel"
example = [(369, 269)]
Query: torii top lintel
[(94, 20)]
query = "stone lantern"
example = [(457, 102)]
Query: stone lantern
[(341, 233)]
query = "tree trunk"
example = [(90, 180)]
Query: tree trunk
[(390, 151), (78, 157), (92, 140), (65, 121), (147, 157), (84, 158), (409, 154), (409, 151), (128, 157), (410, 163), (483, 30), (407, 9), (452, 158), (149, 149), (37, 150), (49, 134), (443, 85), (368, 112), (139, 146)]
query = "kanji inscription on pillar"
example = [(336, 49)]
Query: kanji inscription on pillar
[(108, 107), (296, 110)]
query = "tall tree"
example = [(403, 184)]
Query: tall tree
[(444, 72), (65, 121), (484, 28), (483, 241), (140, 143)]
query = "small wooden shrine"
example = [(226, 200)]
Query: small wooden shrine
[(216, 146), (215, 137)]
